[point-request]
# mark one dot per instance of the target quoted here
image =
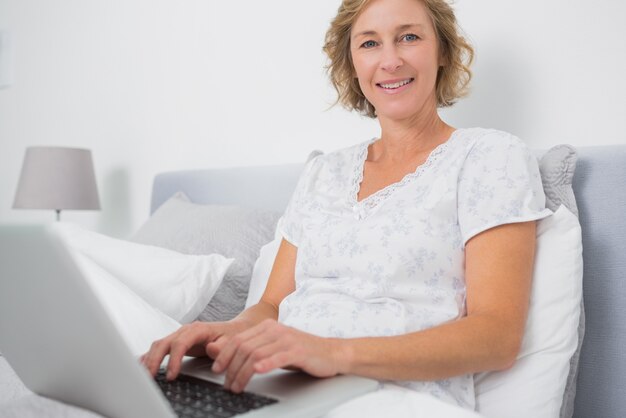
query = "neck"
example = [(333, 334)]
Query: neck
[(403, 140)]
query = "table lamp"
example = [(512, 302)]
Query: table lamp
[(57, 178)]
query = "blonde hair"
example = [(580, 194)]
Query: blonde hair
[(453, 76)]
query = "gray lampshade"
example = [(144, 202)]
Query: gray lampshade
[(57, 178)]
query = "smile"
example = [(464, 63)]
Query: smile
[(396, 85)]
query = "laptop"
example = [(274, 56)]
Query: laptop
[(56, 335)]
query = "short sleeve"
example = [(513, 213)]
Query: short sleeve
[(498, 184), (290, 226)]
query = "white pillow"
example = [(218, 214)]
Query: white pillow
[(534, 386), (262, 268), (233, 231), (139, 323), (178, 285)]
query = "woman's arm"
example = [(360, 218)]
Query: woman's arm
[(280, 283), (208, 338), (498, 271), (498, 266)]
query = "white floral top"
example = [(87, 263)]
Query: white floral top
[(393, 263)]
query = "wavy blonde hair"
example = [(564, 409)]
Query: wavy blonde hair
[(453, 76)]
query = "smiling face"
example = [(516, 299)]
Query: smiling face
[(395, 55)]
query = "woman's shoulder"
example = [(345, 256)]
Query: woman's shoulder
[(487, 136), (345, 156), (489, 143)]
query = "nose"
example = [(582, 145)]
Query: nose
[(390, 59)]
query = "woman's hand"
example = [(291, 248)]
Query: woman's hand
[(271, 345), (191, 340)]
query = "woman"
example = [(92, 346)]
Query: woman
[(407, 258)]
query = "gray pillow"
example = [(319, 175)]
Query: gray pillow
[(232, 231), (557, 168)]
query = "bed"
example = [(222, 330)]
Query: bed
[(599, 184)]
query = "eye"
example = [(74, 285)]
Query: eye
[(368, 44), (410, 37)]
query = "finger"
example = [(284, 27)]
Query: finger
[(197, 350), (158, 350), (277, 360), (247, 370), (183, 345), (226, 353), (243, 353), (213, 348)]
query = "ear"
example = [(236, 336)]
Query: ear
[(443, 58), (442, 61)]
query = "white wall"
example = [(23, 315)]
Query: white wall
[(155, 85)]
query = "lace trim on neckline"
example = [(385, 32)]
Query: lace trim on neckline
[(381, 195)]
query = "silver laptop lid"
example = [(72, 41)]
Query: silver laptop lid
[(53, 329)]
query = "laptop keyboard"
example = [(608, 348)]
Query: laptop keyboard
[(194, 398)]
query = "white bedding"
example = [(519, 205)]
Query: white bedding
[(16, 401), (398, 402)]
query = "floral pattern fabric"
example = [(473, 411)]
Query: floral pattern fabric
[(393, 263)]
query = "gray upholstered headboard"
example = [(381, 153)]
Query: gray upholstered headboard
[(262, 187), (600, 189)]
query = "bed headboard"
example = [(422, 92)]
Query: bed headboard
[(262, 187), (600, 190)]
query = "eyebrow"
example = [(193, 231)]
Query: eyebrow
[(398, 29)]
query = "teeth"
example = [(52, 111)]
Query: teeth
[(395, 85)]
